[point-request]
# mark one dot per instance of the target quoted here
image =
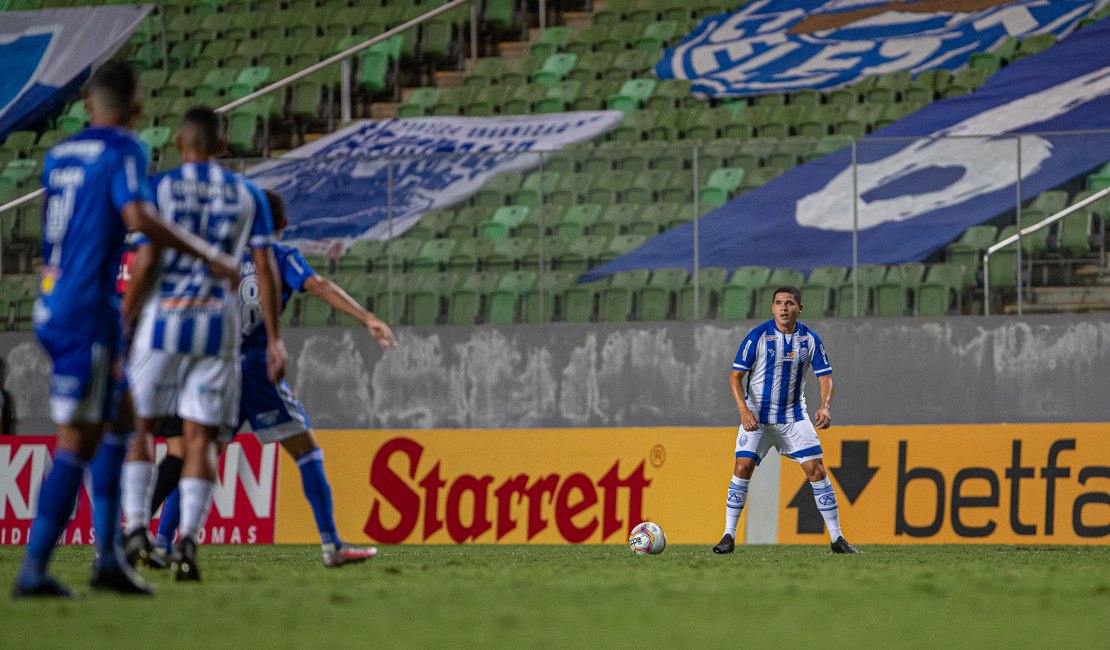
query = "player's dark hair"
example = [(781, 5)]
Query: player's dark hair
[(790, 289), (277, 209), (114, 87), (203, 126)]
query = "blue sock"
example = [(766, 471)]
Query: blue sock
[(106, 466), (168, 522), (318, 493), (57, 497)]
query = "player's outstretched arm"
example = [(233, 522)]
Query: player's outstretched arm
[(142, 216), (265, 269), (334, 295), (823, 417), (736, 385)]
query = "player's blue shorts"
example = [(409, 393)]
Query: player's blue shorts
[(272, 411), (85, 384)]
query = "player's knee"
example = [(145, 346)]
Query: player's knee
[(815, 470), (300, 444), (744, 467)]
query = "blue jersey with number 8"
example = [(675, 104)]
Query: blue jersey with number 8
[(294, 272)]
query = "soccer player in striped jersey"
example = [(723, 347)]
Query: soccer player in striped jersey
[(271, 410), (96, 189), (768, 385), (185, 355)]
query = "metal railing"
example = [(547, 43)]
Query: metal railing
[(345, 83), (1016, 238)]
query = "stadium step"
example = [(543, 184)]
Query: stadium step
[(383, 110), (1047, 300), (449, 78), (578, 19)]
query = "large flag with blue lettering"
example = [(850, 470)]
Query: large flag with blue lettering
[(920, 181), (46, 55), (784, 45), (375, 180)]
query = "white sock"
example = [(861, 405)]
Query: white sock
[(196, 498), (825, 497), (734, 503), (137, 484)]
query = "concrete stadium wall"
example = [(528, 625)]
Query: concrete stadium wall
[(887, 371)]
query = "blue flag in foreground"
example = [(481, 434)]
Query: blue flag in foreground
[(788, 45), (916, 195), (345, 187), (46, 55)]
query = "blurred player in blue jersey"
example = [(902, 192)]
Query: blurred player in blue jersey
[(96, 189), (184, 358), (272, 411), (773, 358)]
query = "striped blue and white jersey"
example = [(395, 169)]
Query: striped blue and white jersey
[(88, 179), (776, 366), (190, 311)]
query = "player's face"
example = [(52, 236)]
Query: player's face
[(786, 310)]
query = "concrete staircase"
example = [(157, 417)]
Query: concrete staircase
[(505, 49)]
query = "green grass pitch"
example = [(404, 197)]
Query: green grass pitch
[(588, 596)]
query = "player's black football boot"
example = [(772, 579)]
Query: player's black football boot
[(48, 588), (159, 559), (184, 562), (841, 545), (726, 545), (121, 579), (137, 546)]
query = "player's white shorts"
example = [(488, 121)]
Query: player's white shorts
[(797, 441), (200, 389)]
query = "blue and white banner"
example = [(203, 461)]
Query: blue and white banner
[(784, 45), (46, 55), (345, 186), (918, 193)]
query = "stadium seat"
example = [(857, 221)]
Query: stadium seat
[(433, 255), (539, 304), (505, 220), (508, 253), (469, 254), (504, 300), (940, 290), (555, 68), (580, 302), (466, 302)]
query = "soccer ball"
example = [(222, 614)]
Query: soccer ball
[(647, 539)]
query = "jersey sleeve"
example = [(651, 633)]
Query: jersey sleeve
[(129, 182), (295, 271), (821, 365), (262, 227), (745, 356)]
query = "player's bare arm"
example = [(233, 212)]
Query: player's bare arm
[(736, 385), (823, 417), (144, 273), (269, 292), (144, 218), (334, 295)]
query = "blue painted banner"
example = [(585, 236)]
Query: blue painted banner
[(345, 186), (46, 55), (918, 193), (785, 45)]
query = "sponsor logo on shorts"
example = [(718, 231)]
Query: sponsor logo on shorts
[(743, 440)]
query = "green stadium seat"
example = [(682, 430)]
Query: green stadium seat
[(552, 40), (469, 254), (465, 305), (425, 302), (505, 220), (433, 255), (721, 185), (632, 95), (504, 301), (555, 68), (539, 304), (509, 253), (1073, 235), (498, 189), (580, 302), (535, 186), (523, 98), (940, 290), (559, 97)]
